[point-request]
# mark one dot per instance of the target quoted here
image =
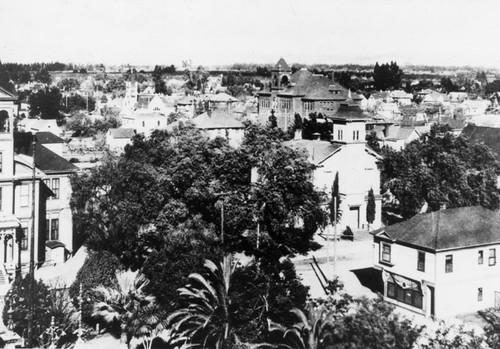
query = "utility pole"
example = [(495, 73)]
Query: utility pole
[(335, 237), (32, 251)]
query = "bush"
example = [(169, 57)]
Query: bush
[(98, 269)]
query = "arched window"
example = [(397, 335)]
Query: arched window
[(284, 80), (4, 121)]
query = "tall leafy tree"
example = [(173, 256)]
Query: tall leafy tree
[(370, 208), (387, 76), (440, 167), (334, 206), (46, 103)]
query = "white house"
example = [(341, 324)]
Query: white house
[(39, 125), (401, 97), (398, 137), (144, 122), (355, 163), (443, 263), (118, 138), (219, 123)]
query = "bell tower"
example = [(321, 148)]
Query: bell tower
[(280, 75)]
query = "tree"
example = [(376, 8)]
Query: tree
[(334, 206), (272, 121), (99, 269), (129, 307), (43, 76), (160, 86), (313, 329), (374, 324), (387, 76), (370, 208), (46, 103), (18, 298), (440, 167), (297, 122), (68, 84), (263, 292), (204, 319)]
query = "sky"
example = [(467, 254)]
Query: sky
[(220, 32)]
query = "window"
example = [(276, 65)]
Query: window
[(1, 162), (449, 264), (480, 294), (421, 261), (480, 257), (143, 124), (24, 240), (25, 195), (386, 253), (357, 135), (353, 135), (492, 260), (54, 229), (409, 292), (1, 201), (55, 187)]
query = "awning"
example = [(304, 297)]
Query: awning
[(403, 282)]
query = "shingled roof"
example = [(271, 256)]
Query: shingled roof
[(489, 136), (281, 65), (454, 228), (216, 119), (48, 138), (317, 150)]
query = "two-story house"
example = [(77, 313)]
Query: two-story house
[(443, 263)]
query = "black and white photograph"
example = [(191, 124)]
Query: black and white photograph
[(250, 174)]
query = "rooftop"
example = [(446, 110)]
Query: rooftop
[(216, 119), (317, 150), (447, 229)]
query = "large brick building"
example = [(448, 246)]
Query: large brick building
[(301, 92)]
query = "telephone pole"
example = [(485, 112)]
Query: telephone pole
[(32, 251)]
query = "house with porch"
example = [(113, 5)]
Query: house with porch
[(443, 263)]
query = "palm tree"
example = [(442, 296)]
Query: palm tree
[(311, 330), (128, 305), (203, 319)]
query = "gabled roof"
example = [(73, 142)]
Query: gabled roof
[(400, 132), (7, 96), (216, 119), (281, 65), (489, 136), (317, 151), (122, 132), (447, 229), (222, 97), (43, 137), (49, 162), (45, 159)]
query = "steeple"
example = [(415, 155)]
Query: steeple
[(280, 75)]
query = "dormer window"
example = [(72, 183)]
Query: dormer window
[(385, 252)]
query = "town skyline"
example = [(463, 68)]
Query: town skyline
[(222, 32)]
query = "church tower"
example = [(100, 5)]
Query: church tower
[(280, 75)]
